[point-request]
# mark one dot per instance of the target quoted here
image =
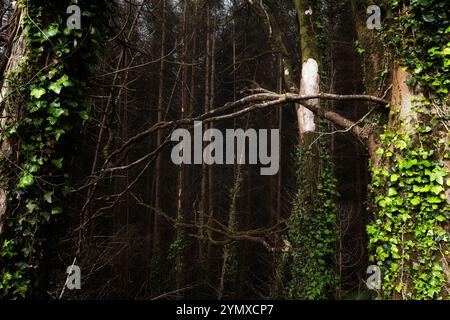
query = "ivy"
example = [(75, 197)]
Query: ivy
[(420, 37), (408, 235), (50, 87), (313, 234)]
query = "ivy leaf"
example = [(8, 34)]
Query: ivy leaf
[(58, 163), (51, 31), (64, 81), (57, 112), (379, 152), (394, 178), (55, 104), (429, 18), (57, 133), (52, 121), (48, 197), (434, 200), (31, 206), (84, 115), (52, 73), (392, 192), (57, 210), (415, 201), (410, 163), (437, 190), (38, 92), (55, 87), (438, 176), (26, 181), (400, 144), (67, 31)]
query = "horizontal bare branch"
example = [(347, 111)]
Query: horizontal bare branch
[(259, 101)]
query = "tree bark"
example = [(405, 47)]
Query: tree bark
[(15, 53)]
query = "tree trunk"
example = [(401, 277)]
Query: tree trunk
[(16, 53), (409, 200), (313, 251), (410, 231)]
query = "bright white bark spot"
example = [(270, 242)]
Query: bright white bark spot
[(309, 86)]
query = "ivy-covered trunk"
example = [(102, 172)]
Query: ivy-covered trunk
[(313, 220), (43, 103), (410, 230), (16, 51), (409, 236)]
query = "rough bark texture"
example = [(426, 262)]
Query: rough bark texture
[(16, 52), (405, 122)]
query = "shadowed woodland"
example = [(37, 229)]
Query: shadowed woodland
[(86, 176)]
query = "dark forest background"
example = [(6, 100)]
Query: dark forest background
[(109, 199), (150, 229)]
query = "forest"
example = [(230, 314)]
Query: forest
[(225, 150)]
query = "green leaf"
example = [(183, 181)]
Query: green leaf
[(57, 112), (55, 104), (57, 210), (400, 144), (26, 181), (439, 176), (379, 152), (58, 163), (429, 18), (410, 163), (52, 73), (51, 31), (38, 92), (392, 192), (437, 189), (52, 121), (48, 196), (394, 178), (57, 133), (64, 80), (415, 201), (55, 87), (31, 206), (67, 31), (84, 115), (434, 200)]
